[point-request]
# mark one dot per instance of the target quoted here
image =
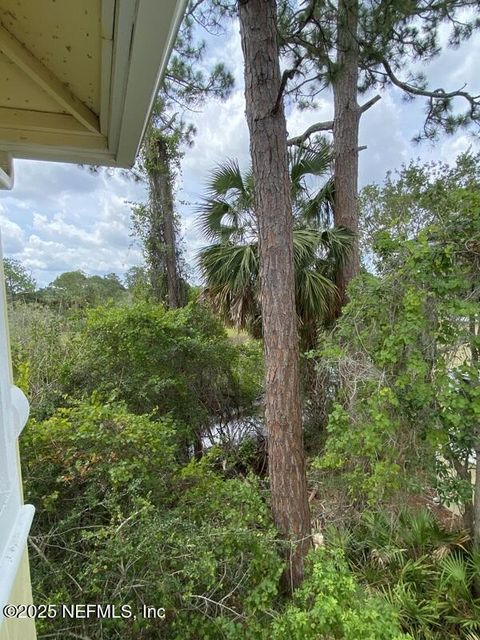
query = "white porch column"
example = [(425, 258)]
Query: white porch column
[(15, 517)]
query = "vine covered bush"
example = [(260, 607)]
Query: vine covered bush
[(119, 521)]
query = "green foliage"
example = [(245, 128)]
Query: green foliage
[(43, 342), (402, 393), (19, 282), (90, 450), (424, 571), (137, 284), (75, 289), (332, 604), (372, 467), (178, 361), (120, 522), (248, 371), (403, 360)]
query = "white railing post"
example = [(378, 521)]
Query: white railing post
[(15, 517)]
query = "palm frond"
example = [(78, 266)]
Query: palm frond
[(231, 277), (339, 242), (317, 210), (418, 530), (315, 293), (414, 612), (314, 161), (236, 265), (305, 245), (224, 178), (211, 219), (455, 573), (230, 267)]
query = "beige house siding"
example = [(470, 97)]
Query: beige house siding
[(14, 629)]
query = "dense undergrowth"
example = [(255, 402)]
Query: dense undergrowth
[(145, 451)]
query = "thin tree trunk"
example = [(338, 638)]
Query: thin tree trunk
[(164, 243), (197, 445), (268, 147), (462, 469), (154, 245), (468, 516), (476, 501), (474, 509), (345, 136)]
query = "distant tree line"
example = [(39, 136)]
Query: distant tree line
[(74, 289)]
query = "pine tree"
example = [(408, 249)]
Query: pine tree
[(273, 207), (184, 87), (356, 46)]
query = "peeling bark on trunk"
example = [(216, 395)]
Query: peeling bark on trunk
[(268, 147), (345, 136), (163, 242)]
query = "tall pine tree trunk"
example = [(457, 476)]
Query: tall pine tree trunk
[(268, 147), (345, 136), (163, 243)]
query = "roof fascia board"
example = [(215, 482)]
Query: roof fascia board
[(69, 155), (124, 20), (57, 139), (146, 69)]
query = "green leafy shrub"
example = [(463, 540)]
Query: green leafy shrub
[(212, 561), (178, 361), (400, 379), (371, 466), (331, 604), (120, 522), (90, 453), (402, 362), (42, 343)]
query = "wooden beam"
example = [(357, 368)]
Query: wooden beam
[(30, 120), (153, 38), (44, 78), (70, 154), (12, 139)]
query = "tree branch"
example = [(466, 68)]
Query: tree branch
[(435, 94), (369, 103), (318, 126), (287, 75)]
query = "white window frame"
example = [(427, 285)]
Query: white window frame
[(15, 517)]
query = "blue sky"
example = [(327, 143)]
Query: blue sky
[(62, 217)]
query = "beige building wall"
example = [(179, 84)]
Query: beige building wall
[(23, 629)]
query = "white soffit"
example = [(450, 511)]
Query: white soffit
[(79, 77)]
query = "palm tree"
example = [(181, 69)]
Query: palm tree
[(230, 265)]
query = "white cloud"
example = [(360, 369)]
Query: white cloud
[(60, 217), (12, 235)]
